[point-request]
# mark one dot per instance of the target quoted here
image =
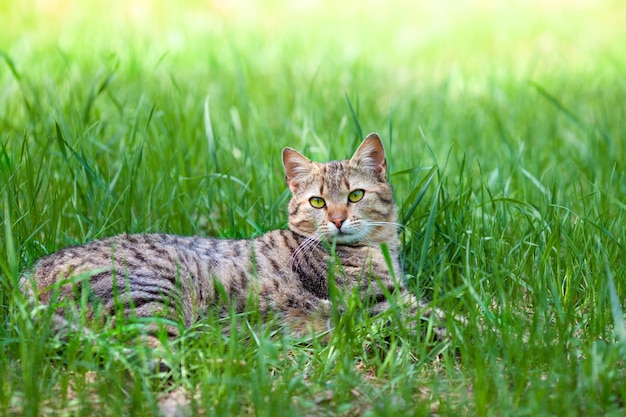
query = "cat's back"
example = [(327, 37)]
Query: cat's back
[(143, 257)]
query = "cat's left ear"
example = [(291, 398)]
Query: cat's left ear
[(371, 155), (296, 166)]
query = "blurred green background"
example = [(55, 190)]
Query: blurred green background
[(421, 62)]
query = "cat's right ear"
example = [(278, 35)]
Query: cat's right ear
[(296, 166), (371, 156)]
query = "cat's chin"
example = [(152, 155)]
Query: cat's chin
[(346, 238)]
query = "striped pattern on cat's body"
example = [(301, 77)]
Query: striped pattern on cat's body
[(341, 215)]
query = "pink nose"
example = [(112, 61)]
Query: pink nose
[(338, 220)]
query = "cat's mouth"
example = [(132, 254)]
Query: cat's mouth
[(345, 235)]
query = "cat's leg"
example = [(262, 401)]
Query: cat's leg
[(64, 325), (316, 323), (301, 313), (413, 312)]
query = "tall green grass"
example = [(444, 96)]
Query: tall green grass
[(505, 138)]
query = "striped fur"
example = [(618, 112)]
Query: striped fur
[(287, 271)]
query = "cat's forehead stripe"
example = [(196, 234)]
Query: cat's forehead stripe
[(322, 183), (335, 175)]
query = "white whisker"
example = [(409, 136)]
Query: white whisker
[(307, 244), (383, 223), (302, 250)]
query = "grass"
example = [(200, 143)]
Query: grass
[(505, 137)]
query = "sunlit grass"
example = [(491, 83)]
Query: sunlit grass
[(503, 124)]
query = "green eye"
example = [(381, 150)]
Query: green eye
[(356, 195), (317, 202)]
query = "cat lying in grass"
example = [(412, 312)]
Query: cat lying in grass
[(342, 228)]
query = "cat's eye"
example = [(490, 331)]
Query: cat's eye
[(356, 195), (317, 202)]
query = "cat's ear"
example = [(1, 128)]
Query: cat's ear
[(296, 166), (371, 155)]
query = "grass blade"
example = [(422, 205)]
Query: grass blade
[(355, 120)]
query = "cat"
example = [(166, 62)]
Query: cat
[(343, 227)]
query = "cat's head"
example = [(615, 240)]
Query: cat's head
[(349, 201)]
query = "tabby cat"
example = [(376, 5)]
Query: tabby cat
[(341, 218)]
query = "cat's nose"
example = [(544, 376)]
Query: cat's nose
[(338, 220)]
